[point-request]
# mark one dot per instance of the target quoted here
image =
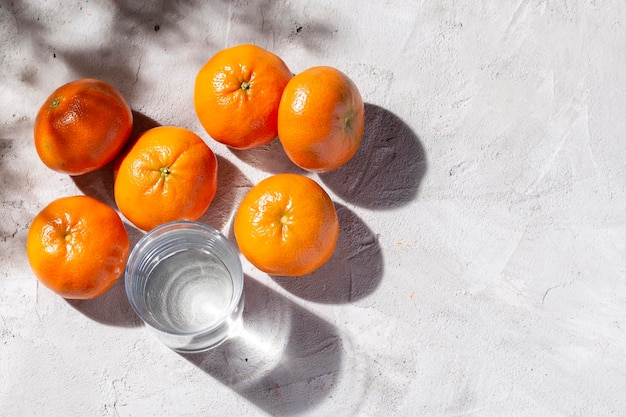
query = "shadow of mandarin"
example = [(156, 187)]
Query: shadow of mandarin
[(232, 185), (388, 168), (270, 158)]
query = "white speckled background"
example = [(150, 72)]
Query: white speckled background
[(482, 259)]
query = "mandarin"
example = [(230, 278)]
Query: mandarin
[(82, 126), (321, 119), (287, 225), (236, 95), (169, 173), (77, 247)]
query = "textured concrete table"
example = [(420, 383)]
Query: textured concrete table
[(482, 258)]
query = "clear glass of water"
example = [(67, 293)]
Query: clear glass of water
[(185, 281)]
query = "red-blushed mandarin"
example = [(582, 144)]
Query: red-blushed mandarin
[(82, 126)]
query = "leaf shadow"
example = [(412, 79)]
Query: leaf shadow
[(11, 182), (388, 168), (286, 359)]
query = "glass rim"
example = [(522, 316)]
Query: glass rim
[(160, 231)]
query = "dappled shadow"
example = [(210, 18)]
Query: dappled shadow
[(388, 168), (11, 189), (353, 271), (270, 22), (122, 42), (27, 32), (129, 29), (286, 360), (109, 41)]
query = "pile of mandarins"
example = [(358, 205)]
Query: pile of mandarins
[(244, 97)]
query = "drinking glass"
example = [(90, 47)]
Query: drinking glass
[(185, 281)]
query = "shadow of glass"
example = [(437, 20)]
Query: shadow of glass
[(353, 271), (111, 308), (232, 184), (388, 168), (286, 360), (270, 157)]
